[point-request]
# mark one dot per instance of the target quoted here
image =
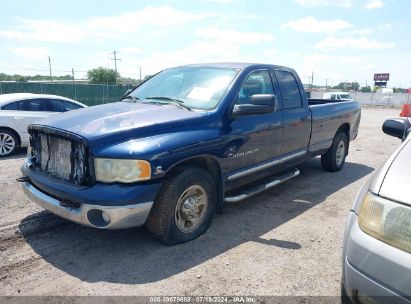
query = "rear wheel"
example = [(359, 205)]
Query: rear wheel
[(333, 160), (184, 207), (8, 143)]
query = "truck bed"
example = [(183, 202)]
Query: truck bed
[(327, 115), (316, 101)]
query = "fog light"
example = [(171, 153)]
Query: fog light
[(98, 218), (105, 217)]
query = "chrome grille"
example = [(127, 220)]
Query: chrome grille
[(59, 157)]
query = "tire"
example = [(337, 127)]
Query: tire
[(345, 299), (184, 206), (9, 143), (333, 160)]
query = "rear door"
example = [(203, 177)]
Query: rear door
[(296, 117)]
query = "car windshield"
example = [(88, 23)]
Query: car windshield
[(345, 96), (194, 87)]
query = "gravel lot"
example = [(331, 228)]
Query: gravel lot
[(286, 241)]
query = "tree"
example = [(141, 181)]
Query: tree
[(398, 90), (102, 75), (366, 89), (347, 86), (21, 78)]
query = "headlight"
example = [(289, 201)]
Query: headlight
[(121, 170), (387, 221)]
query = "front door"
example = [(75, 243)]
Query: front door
[(254, 138)]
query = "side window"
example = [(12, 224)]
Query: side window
[(332, 96), (258, 82), (68, 106), (38, 105), (58, 105), (289, 90), (11, 106)]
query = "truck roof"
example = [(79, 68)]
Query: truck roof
[(236, 65)]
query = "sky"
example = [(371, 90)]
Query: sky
[(336, 40)]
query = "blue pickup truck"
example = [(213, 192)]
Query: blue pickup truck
[(180, 145)]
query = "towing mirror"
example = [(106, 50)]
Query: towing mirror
[(397, 127), (249, 109), (259, 104), (264, 99)]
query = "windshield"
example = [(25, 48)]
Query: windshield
[(345, 96), (195, 87)]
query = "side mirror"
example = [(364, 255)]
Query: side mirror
[(396, 127), (264, 99), (249, 109), (259, 104)]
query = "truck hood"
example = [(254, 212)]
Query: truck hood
[(397, 180), (118, 121)]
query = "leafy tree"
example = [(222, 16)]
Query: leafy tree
[(347, 86), (398, 90), (102, 75), (17, 77), (366, 89)]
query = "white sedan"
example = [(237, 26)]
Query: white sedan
[(18, 110)]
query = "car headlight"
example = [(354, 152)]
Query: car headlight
[(387, 221), (121, 170)]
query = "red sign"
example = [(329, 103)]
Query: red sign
[(408, 91), (382, 77)]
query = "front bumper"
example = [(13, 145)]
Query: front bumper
[(91, 215), (374, 269)]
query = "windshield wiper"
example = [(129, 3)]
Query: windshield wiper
[(177, 102), (132, 98)]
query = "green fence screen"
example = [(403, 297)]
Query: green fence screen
[(89, 94)]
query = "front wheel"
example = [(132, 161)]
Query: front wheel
[(333, 160), (184, 207)]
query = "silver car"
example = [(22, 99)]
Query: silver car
[(377, 242)]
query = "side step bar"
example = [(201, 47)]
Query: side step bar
[(260, 188)]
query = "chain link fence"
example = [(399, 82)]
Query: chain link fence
[(89, 94), (379, 99)]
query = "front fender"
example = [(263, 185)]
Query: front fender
[(164, 151)]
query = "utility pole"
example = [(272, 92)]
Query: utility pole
[(51, 77), (115, 62), (75, 89), (140, 75), (312, 80)]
